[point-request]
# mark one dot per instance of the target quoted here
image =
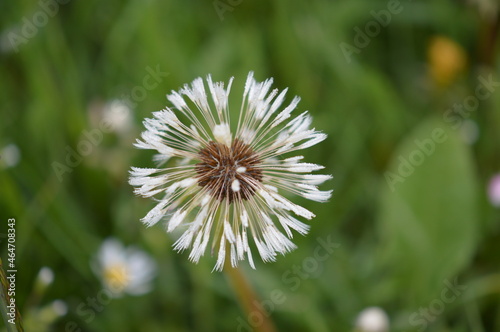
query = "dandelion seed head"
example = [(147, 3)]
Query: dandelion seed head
[(228, 182)]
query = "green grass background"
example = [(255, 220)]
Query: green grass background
[(396, 249)]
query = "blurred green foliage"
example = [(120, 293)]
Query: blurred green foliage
[(397, 248)]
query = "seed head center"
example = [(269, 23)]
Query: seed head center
[(229, 172)]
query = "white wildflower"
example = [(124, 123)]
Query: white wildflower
[(124, 270)]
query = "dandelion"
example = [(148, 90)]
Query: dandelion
[(124, 270), (230, 178)]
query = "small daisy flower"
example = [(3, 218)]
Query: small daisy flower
[(230, 177), (124, 270)]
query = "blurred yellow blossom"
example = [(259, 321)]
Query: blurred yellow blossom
[(447, 60)]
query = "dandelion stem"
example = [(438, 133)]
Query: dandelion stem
[(248, 298)]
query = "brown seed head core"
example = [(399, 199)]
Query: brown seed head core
[(219, 168)]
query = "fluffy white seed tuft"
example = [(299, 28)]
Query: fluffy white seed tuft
[(176, 219), (235, 185), (222, 134)]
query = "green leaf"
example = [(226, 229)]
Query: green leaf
[(428, 215)]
